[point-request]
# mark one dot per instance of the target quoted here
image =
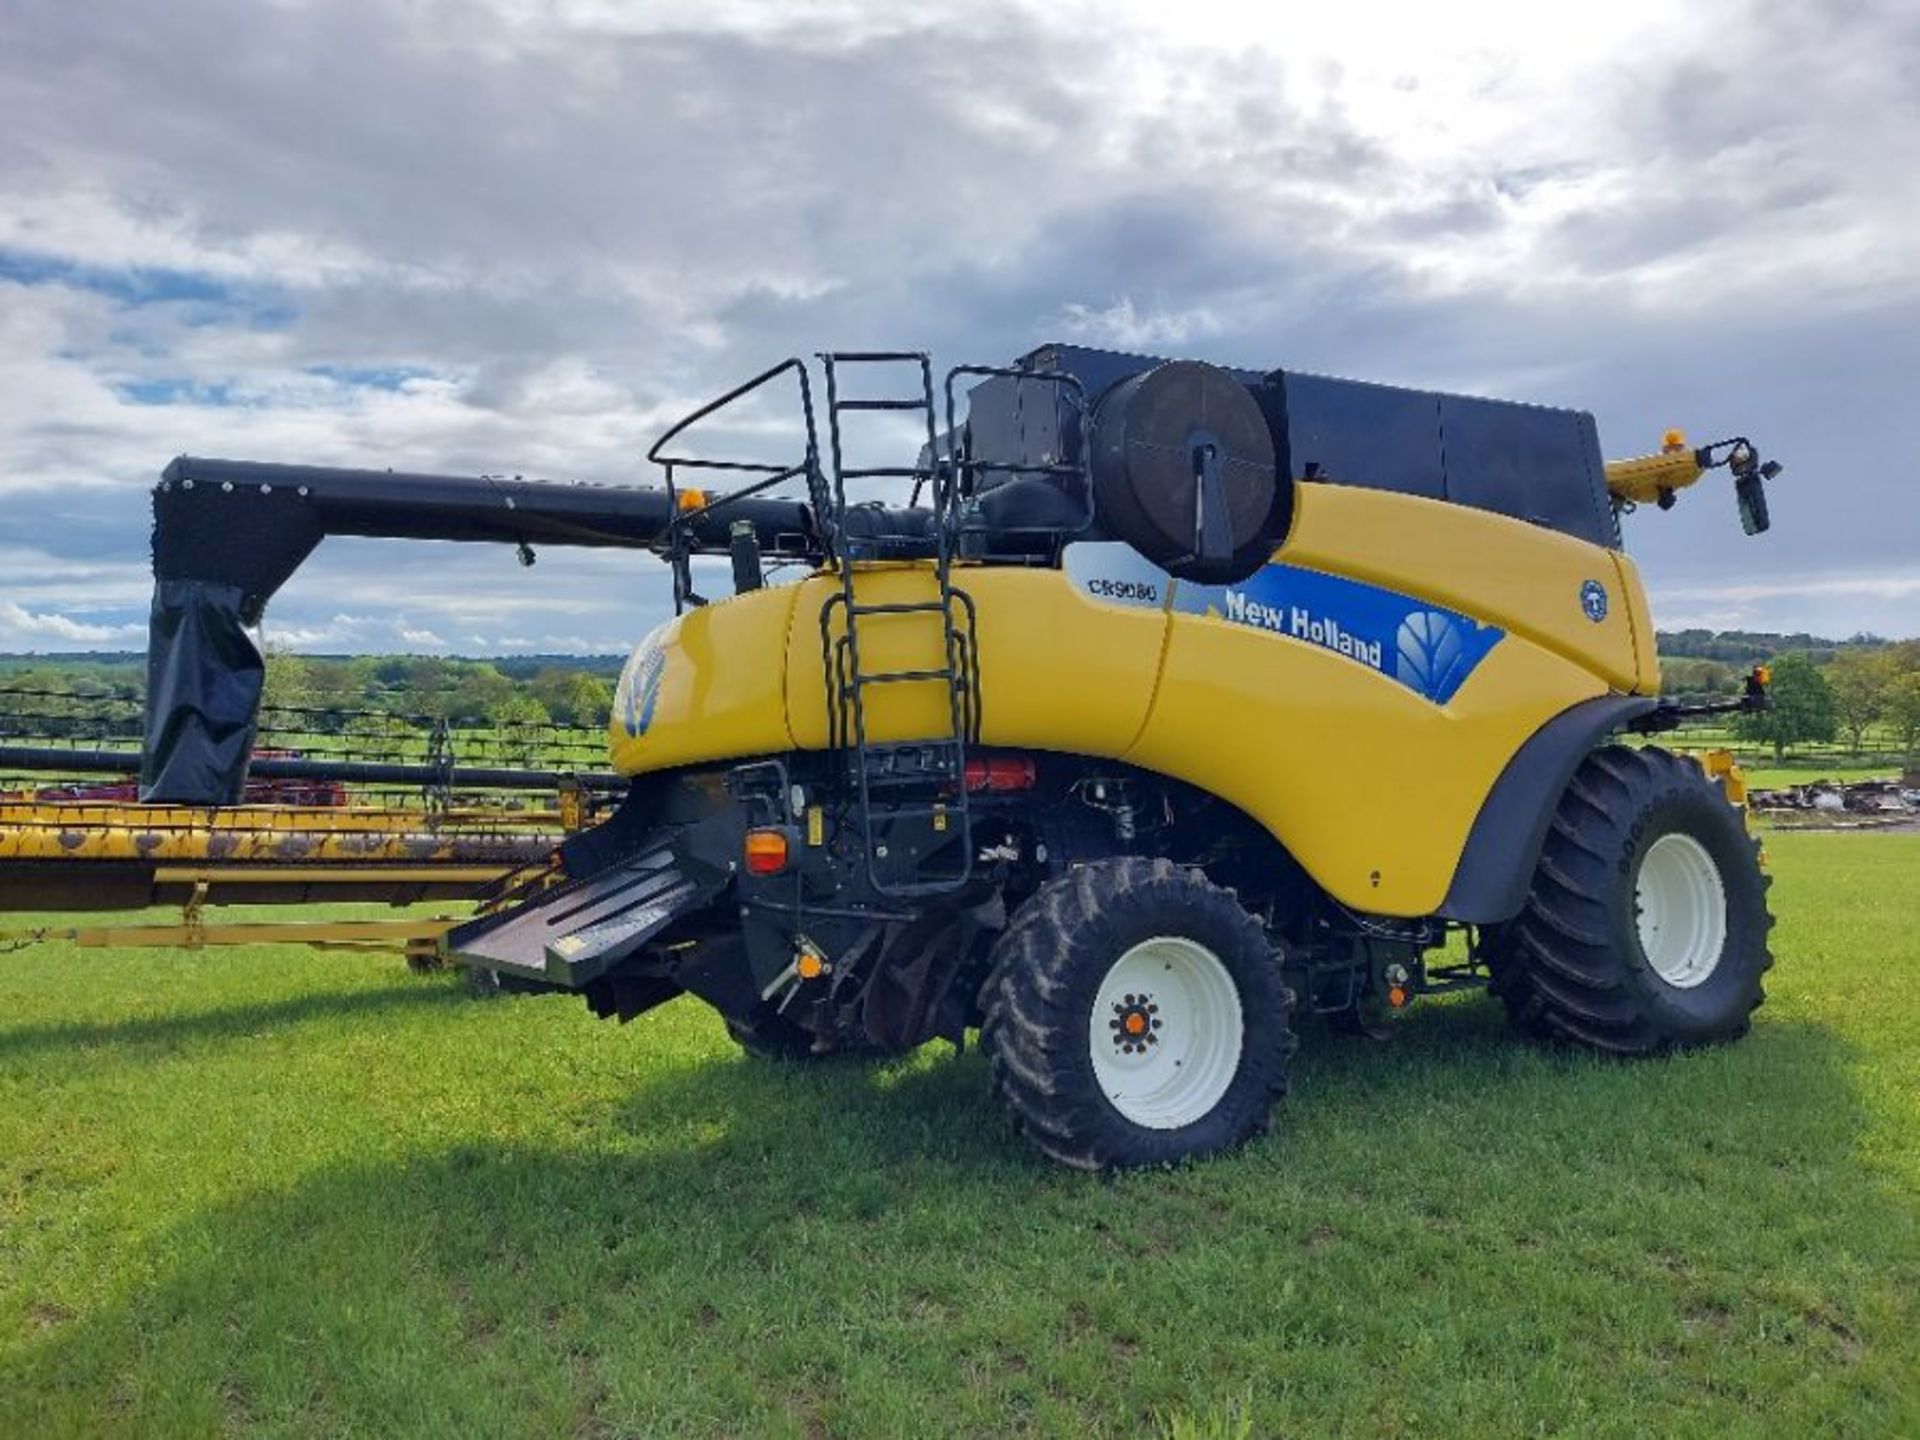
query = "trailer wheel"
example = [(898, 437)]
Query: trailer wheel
[(1135, 1016), (1646, 926)]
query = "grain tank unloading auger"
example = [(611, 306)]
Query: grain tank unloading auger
[(1152, 700)]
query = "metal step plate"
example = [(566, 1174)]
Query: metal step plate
[(573, 935)]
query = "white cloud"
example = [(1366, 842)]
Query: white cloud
[(566, 221), (1121, 325), (27, 629)]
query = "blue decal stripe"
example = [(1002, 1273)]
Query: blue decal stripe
[(1427, 648), (642, 684)]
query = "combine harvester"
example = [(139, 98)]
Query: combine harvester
[(1152, 701)]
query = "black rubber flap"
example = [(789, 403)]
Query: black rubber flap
[(574, 934), (204, 677), (1183, 471)]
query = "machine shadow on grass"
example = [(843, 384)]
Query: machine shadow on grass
[(225, 1022), (722, 1201)]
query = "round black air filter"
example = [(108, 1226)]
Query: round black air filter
[(1183, 471)]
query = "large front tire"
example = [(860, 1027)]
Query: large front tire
[(1646, 926), (1135, 1016)]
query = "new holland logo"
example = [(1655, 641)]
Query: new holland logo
[(1593, 600), (1302, 624), (641, 685), (1431, 654)]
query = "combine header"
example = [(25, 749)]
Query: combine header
[(1148, 703)]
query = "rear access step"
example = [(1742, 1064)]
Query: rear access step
[(576, 933)]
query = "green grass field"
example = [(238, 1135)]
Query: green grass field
[(276, 1192)]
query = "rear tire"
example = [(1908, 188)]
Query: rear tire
[(1646, 926), (1135, 1016)]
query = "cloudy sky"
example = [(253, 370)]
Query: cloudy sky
[(519, 236)]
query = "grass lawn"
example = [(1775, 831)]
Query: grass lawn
[(1770, 777), (272, 1191)]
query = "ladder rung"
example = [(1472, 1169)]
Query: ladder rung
[(892, 472), (937, 763), (903, 607), (880, 405), (889, 677), (927, 758), (871, 357), (945, 772)]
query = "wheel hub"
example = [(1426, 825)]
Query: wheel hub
[(1135, 1018)]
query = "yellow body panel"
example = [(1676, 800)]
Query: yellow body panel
[(1521, 577), (1059, 671), (1370, 787), (708, 685), (887, 643), (1370, 784), (1640, 616)]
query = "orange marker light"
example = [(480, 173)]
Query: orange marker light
[(1397, 997), (766, 852), (1764, 674), (1674, 440), (691, 499), (809, 966)]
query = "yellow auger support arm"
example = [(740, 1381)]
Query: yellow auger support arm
[(1653, 479), (1656, 479)]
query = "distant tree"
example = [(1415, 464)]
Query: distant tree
[(286, 681), (573, 697), (1859, 680), (1902, 702), (522, 727), (1689, 676), (287, 692), (1801, 709), (474, 697)]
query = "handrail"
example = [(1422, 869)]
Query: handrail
[(792, 362), (808, 468)]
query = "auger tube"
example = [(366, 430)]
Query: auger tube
[(228, 533)]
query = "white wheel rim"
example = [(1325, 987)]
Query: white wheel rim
[(1680, 904), (1166, 1033)]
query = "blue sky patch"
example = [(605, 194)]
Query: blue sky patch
[(370, 377), (177, 391), (203, 299)]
